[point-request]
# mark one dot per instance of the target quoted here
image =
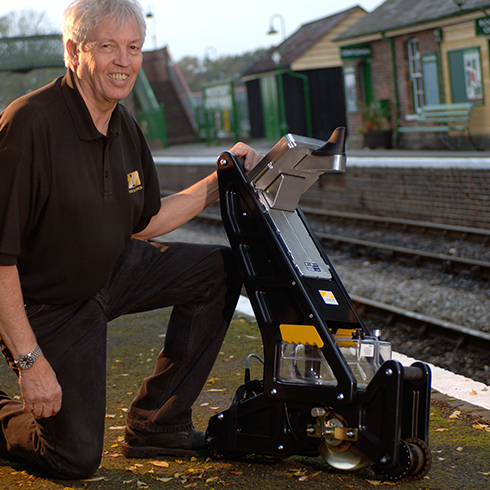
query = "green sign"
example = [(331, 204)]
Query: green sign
[(218, 97), (356, 51), (482, 26)]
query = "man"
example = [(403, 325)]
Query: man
[(79, 196)]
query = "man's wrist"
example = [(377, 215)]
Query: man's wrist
[(26, 361)]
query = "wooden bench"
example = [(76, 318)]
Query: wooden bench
[(441, 119)]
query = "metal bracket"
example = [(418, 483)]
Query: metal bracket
[(330, 429)]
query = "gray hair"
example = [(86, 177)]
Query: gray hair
[(83, 16)]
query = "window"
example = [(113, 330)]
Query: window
[(430, 71), (466, 75), (350, 85), (415, 66)]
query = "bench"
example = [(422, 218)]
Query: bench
[(440, 119)]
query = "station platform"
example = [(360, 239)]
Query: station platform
[(201, 153)]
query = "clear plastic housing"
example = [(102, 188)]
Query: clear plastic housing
[(306, 364)]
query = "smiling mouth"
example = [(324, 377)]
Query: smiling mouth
[(118, 76)]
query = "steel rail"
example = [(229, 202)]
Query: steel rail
[(391, 314), (476, 268), (463, 230)]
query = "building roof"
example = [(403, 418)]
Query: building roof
[(395, 14), (298, 43)]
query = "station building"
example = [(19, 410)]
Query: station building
[(411, 53), (297, 87)]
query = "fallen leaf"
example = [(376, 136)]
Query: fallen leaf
[(455, 414), (165, 479), (473, 392), (161, 464), (459, 449)]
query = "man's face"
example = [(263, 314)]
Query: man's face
[(109, 63)]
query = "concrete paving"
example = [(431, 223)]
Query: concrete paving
[(201, 149)]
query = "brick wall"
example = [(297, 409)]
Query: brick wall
[(453, 196)]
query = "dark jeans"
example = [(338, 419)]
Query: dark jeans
[(201, 282)]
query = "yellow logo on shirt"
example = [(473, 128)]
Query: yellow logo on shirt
[(134, 182)]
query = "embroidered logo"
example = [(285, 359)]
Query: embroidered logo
[(134, 182)]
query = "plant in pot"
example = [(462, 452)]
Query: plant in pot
[(376, 128)]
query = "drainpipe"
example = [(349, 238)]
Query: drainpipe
[(395, 84), (306, 93), (438, 36)]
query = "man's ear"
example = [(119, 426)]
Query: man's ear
[(72, 50)]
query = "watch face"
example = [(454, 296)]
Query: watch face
[(26, 361)]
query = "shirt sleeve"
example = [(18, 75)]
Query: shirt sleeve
[(151, 187), (21, 187)]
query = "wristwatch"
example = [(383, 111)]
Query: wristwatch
[(26, 361)]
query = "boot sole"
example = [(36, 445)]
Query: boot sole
[(152, 451)]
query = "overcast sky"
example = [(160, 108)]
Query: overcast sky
[(212, 27)]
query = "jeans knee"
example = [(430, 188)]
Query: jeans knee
[(79, 468)]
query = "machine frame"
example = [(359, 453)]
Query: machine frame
[(311, 400)]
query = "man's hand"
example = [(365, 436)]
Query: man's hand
[(40, 389), (250, 156)]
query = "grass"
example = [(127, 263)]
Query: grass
[(460, 448)]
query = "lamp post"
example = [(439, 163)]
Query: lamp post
[(151, 15), (207, 52), (283, 125), (272, 29), (459, 3)]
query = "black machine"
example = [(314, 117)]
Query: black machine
[(329, 386)]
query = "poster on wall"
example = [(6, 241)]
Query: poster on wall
[(472, 72)]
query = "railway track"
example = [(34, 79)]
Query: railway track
[(422, 325), (470, 268), (415, 328), (450, 263)]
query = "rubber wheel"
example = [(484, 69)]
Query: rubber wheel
[(349, 459)]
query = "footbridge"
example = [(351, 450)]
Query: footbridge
[(22, 54)]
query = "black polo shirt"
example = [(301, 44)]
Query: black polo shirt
[(70, 197)]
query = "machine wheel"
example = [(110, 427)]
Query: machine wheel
[(342, 455), (414, 463), (421, 454)]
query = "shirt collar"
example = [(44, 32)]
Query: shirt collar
[(80, 114)]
